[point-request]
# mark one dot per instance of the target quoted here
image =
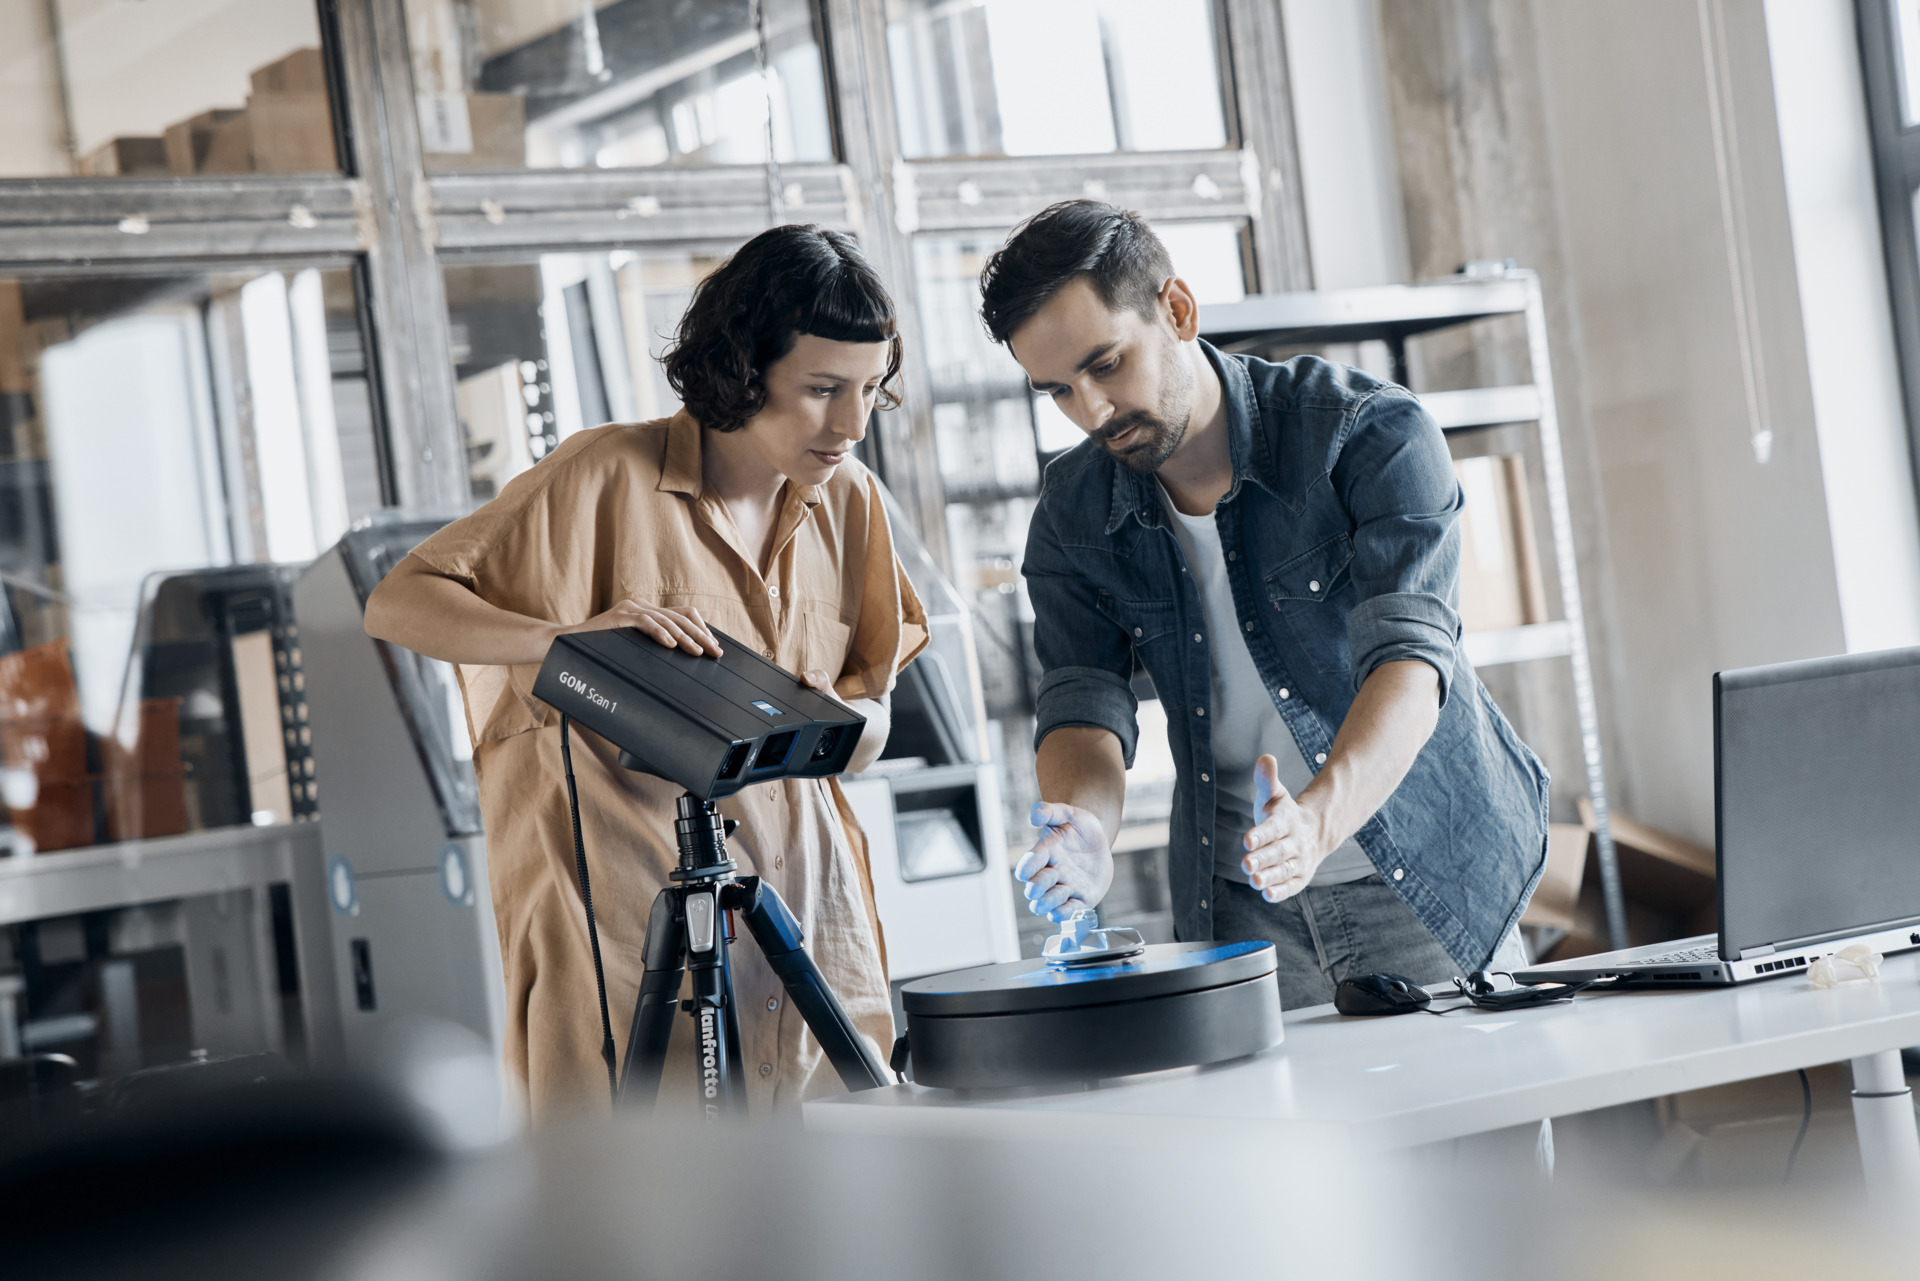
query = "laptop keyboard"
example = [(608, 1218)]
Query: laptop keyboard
[(1710, 952)]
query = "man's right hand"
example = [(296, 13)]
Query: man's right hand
[(1070, 866), (676, 627)]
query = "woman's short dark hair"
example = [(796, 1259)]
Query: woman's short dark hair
[(1113, 247), (746, 314)]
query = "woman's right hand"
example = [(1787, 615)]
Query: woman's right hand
[(676, 627)]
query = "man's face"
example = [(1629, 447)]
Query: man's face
[(1122, 378)]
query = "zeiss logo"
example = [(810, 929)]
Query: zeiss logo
[(587, 691), (768, 708)]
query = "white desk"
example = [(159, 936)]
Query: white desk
[(1410, 1079)]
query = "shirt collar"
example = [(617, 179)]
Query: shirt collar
[(1137, 495), (680, 471)]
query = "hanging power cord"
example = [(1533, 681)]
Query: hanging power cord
[(1806, 1119), (586, 897)]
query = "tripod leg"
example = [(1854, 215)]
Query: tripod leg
[(736, 1095), (665, 954), (780, 939)]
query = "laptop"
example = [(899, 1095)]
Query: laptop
[(1816, 796)]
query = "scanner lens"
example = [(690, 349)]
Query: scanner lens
[(828, 743)]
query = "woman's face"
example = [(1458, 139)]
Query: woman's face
[(819, 397)]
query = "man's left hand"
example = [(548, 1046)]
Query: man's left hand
[(1288, 844)]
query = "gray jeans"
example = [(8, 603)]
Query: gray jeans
[(1331, 932)]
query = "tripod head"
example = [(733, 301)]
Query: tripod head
[(702, 835)]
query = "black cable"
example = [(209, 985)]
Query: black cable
[(586, 896), (1806, 1119)]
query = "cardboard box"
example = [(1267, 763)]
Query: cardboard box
[(13, 333), (215, 141), (302, 71), (54, 750), (477, 131), (37, 684), (62, 816), (146, 805), (292, 133), (126, 158), (1500, 582), (1557, 896), (1666, 872)]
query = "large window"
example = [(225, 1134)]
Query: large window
[(156, 427), (1066, 77), (506, 83), (546, 345), (124, 88)]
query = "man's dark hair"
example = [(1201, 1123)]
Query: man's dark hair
[(1113, 247), (747, 313)]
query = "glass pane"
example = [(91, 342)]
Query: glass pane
[(126, 88), (172, 447), (1061, 77), (1906, 25), (546, 346), (587, 83)]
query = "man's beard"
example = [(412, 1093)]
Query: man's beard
[(1162, 430)]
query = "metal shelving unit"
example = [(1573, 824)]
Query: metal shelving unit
[(1392, 314)]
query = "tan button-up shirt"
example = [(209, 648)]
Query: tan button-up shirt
[(622, 512)]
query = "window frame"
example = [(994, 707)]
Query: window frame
[(1896, 163)]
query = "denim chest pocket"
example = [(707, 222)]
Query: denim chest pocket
[(1301, 590), (1144, 621)]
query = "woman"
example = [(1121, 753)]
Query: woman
[(744, 513)]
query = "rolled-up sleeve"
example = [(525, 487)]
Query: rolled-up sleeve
[(1397, 480), (1086, 660)]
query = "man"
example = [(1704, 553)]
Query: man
[(1277, 546)]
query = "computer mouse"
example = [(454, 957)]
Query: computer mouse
[(1380, 994)]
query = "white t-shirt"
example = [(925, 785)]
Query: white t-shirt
[(1246, 722)]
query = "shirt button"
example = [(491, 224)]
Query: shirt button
[(1286, 694), (1249, 624), (1199, 711), (766, 1069), (1314, 586), (1136, 631), (1206, 778), (1319, 758), (1196, 636), (773, 792), (773, 590), (769, 654), (779, 862), (1233, 555), (1399, 873), (773, 1003), (1203, 902), (1205, 841)]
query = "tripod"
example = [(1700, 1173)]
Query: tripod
[(688, 932)]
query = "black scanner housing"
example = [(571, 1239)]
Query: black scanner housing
[(711, 725)]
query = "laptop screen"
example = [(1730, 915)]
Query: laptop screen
[(1817, 792)]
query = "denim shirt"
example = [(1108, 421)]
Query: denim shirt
[(1342, 546)]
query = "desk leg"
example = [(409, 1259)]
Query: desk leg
[(1889, 1138)]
